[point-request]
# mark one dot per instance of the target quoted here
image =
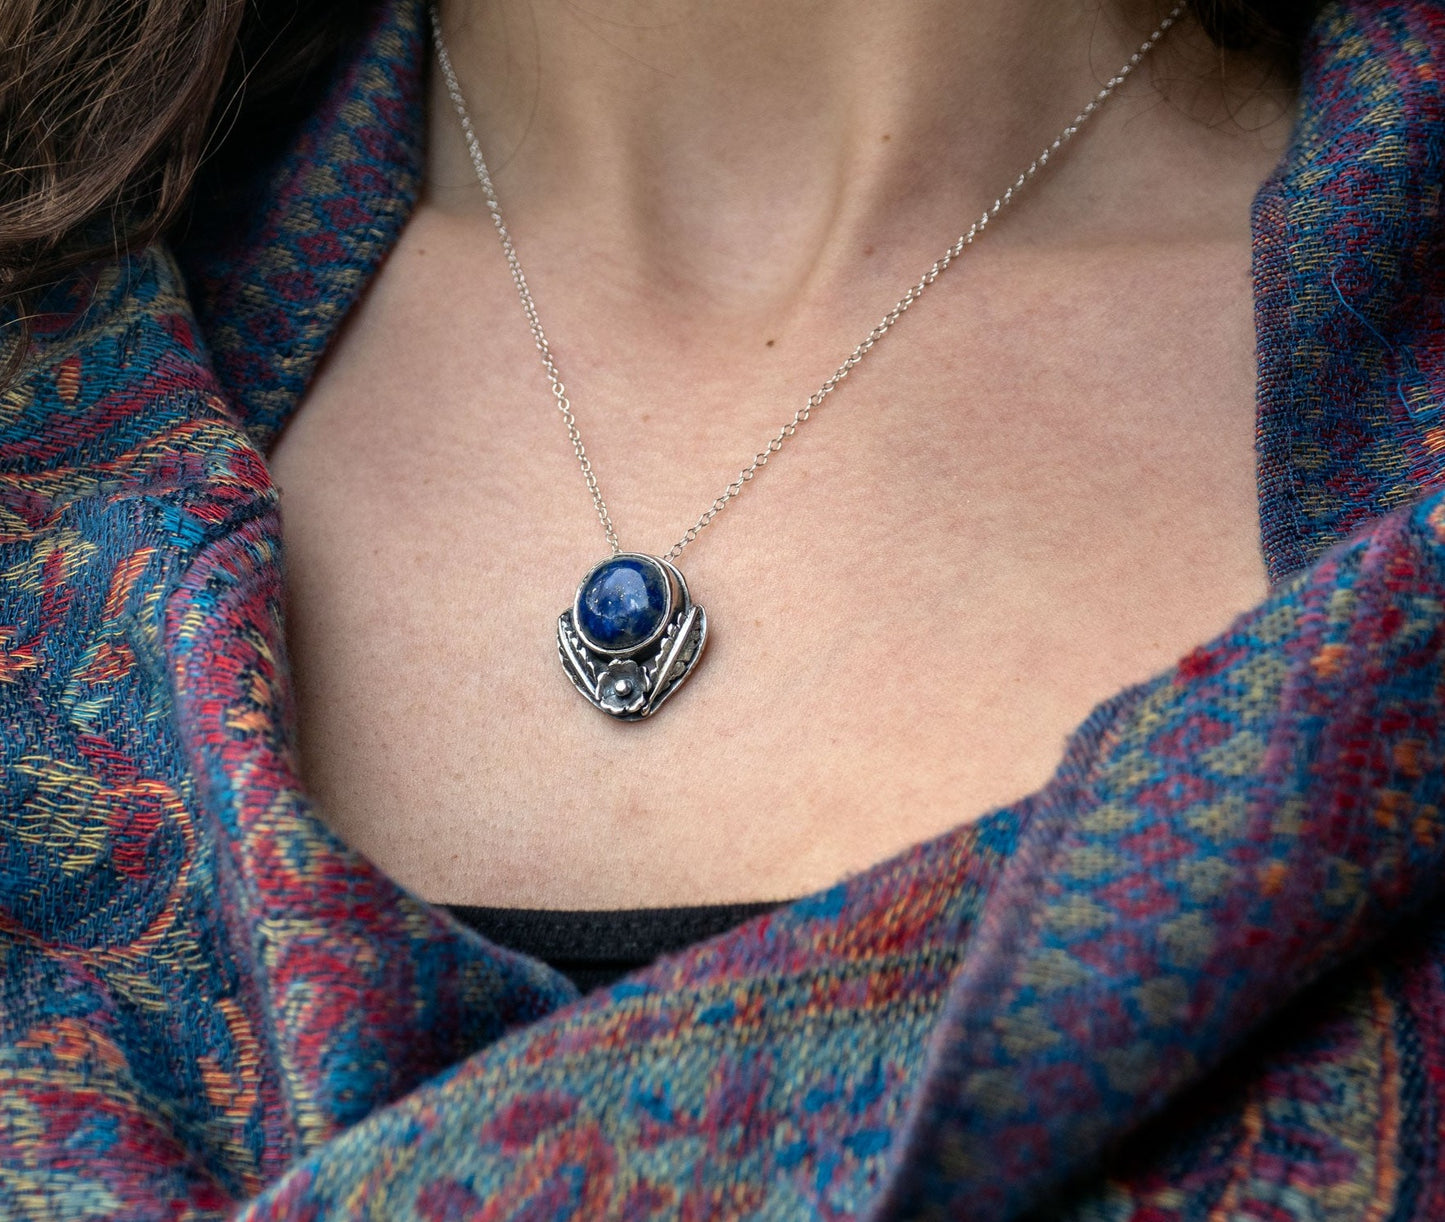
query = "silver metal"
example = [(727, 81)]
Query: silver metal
[(815, 400), (632, 684)]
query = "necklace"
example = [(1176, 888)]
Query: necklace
[(633, 633)]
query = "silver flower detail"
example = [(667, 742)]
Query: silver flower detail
[(620, 688)]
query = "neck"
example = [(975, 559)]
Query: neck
[(739, 151)]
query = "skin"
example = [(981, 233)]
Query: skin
[(1037, 490)]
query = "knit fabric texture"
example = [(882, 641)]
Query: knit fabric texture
[(1200, 975)]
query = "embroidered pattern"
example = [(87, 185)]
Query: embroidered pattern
[(1141, 995)]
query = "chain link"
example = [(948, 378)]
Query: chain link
[(815, 400)]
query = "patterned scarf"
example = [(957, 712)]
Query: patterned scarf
[(1200, 975)]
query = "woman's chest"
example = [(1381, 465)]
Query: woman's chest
[(1017, 506)]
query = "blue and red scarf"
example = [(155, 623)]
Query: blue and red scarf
[(1200, 975)]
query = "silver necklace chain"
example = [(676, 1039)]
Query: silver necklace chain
[(815, 400)]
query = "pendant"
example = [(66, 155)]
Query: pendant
[(632, 636)]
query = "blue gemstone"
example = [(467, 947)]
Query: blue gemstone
[(623, 602)]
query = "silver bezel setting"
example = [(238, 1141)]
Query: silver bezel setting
[(671, 578), (661, 663)]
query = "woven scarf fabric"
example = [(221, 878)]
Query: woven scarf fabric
[(1199, 976)]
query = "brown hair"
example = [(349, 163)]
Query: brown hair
[(107, 108), (1272, 27)]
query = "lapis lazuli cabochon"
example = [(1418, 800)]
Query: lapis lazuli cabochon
[(623, 602)]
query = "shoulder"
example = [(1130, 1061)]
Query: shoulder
[(116, 376), (120, 458)]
